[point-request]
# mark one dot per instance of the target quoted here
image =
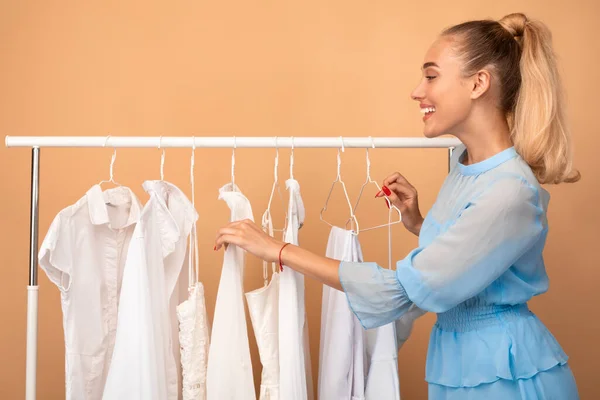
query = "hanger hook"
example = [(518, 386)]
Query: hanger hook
[(112, 159), (292, 160), (342, 142), (162, 158), (192, 164), (339, 164), (369, 159), (233, 161), (193, 159), (276, 160), (112, 164)]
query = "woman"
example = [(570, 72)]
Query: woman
[(495, 86)]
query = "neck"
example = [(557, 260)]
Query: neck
[(481, 146)]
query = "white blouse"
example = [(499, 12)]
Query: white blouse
[(84, 254)]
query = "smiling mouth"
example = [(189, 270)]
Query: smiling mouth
[(427, 112)]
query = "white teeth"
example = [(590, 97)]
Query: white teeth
[(427, 110)]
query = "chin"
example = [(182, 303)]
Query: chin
[(430, 133)]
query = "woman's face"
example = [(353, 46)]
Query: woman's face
[(443, 94)]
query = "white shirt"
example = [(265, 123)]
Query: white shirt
[(229, 372), (143, 364), (294, 351), (84, 254)]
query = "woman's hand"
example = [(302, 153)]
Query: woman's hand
[(247, 235), (404, 196)]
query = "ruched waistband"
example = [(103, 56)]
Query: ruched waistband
[(467, 317)]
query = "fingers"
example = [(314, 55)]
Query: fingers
[(226, 239), (398, 194), (393, 196), (401, 190), (391, 181), (233, 233), (403, 181), (396, 177), (392, 178)]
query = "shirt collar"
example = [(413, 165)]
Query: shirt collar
[(168, 193), (487, 164), (97, 200)]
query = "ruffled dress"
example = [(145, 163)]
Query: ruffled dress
[(478, 262)]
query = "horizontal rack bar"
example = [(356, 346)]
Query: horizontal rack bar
[(229, 142)]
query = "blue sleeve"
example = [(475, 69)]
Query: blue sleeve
[(375, 295), (494, 230)]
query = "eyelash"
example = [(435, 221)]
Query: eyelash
[(430, 78)]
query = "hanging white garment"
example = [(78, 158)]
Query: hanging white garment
[(295, 380), (341, 354), (229, 374), (83, 255), (143, 364), (193, 331), (382, 355), (263, 305), (181, 293), (354, 363), (405, 324)]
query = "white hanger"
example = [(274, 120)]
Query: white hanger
[(369, 180), (162, 160), (267, 213), (233, 164), (193, 251), (355, 228), (112, 164), (292, 160), (267, 226)]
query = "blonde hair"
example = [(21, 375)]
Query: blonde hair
[(519, 54)]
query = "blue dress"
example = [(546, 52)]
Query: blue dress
[(478, 262)]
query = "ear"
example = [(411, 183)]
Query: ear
[(481, 83)]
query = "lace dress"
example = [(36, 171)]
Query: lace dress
[(193, 331)]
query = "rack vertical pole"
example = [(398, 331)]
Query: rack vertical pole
[(32, 288)]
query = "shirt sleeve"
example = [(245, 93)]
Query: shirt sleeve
[(54, 256), (494, 230), (374, 294)]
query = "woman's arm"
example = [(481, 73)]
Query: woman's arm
[(321, 268), (374, 294), (491, 234), (250, 237)]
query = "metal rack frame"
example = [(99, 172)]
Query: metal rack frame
[(36, 142)]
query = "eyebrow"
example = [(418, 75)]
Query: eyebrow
[(430, 64)]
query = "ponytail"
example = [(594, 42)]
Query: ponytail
[(521, 55)]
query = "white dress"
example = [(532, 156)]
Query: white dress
[(193, 331), (295, 379), (143, 364), (229, 373), (353, 363), (263, 306)]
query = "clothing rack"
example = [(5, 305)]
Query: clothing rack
[(36, 142)]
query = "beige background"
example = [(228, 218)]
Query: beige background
[(310, 68)]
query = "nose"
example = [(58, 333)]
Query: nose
[(418, 93)]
